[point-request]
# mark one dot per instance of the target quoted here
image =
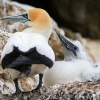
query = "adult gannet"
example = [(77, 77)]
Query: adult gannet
[(29, 46), (74, 67)]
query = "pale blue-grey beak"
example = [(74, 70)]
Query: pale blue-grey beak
[(67, 44), (19, 18)]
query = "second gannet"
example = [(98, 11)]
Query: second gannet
[(74, 67), (29, 46)]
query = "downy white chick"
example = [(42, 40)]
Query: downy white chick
[(74, 67)]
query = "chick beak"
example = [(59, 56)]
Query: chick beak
[(19, 18), (66, 43)]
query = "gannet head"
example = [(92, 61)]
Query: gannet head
[(72, 49), (81, 54), (40, 21)]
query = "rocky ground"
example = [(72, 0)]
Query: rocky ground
[(71, 91)]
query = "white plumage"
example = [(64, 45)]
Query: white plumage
[(65, 72), (26, 41), (72, 68)]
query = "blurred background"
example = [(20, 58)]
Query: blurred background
[(78, 15), (77, 19)]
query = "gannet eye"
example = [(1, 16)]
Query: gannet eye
[(75, 48)]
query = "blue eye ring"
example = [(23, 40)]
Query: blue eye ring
[(25, 15)]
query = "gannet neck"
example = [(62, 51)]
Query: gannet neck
[(41, 22), (45, 33)]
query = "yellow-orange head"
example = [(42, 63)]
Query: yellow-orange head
[(40, 19)]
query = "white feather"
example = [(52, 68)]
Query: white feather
[(25, 41), (77, 69), (65, 72), (81, 53)]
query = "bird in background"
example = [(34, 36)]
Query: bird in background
[(29, 46), (74, 67)]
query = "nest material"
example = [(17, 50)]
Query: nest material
[(70, 91)]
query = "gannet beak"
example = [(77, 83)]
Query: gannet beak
[(19, 18), (68, 45)]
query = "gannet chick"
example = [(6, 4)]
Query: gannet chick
[(74, 67), (29, 46)]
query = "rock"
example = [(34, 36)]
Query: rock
[(69, 33), (27, 84), (70, 91), (8, 8), (7, 85), (75, 91)]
